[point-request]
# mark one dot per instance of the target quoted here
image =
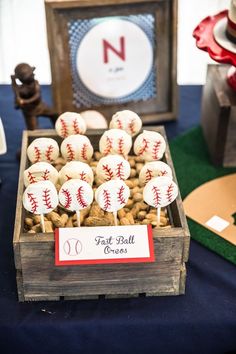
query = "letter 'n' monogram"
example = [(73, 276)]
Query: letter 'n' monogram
[(119, 52)]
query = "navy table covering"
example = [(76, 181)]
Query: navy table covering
[(202, 321)]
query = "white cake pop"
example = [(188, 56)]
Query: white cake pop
[(154, 169), (150, 145), (115, 142), (70, 123), (94, 119), (40, 198), (75, 195), (112, 195), (126, 120), (76, 170), (43, 150), (77, 147), (160, 192), (112, 167), (40, 171)]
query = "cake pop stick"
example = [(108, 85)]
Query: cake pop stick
[(43, 149), (70, 123), (76, 195), (112, 196), (76, 170), (77, 147), (160, 192), (154, 169), (126, 120), (115, 142), (40, 198), (150, 145), (112, 167), (40, 171)]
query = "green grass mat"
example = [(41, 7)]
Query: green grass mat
[(193, 168)]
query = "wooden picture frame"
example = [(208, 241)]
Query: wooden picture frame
[(162, 105)]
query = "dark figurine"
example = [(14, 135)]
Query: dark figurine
[(28, 96)]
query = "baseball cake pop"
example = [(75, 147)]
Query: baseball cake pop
[(70, 123), (112, 167), (76, 170), (150, 145), (43, 150), (154, 169), (40, 171), (126, 120), (115, 142), (77, 147)]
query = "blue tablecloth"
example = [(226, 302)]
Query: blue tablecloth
[(202, 321)]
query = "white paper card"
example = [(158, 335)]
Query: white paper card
[(106, 244), (217, 223)]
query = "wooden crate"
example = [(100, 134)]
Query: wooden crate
[(219, 116), (39, 279)]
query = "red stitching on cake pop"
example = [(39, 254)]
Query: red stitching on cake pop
[(120, 195), (68, 198), (144, 148), (163, 173), (119, 123), (70, 152), (31, 178), (84, 151), (108, 146), (46, 198), (148, 175), (76, 126), (120, 170), (156, 196), (83, 176), (45, 175), (33, 202), (37, 154), (155, 149), (49, 152), (107, 199), (68, 177), (108, 172), (169, 192), (80, 197), (64, 130), (132, 126), (120, 145)]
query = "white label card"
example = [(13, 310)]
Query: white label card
[(104, 244)]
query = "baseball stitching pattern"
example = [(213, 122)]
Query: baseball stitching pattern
[(163, 173), (48, 153), (68, 177), (120, 170), (119, 123), (33, 202), (155, 149), (120, 145), (46, 198), (156, 196), (108, 172), (83, 176), (31, 178), (68, 198), (80, 197), (37, 154), (144, 147), (64, 130), (76, 126), (108, 146), (45, 175), (148, 175), (84, 151), (131, 126), (107, 199), (169, 193), (70, 151), (120, 195)]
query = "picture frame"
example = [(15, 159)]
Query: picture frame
[(119, 77)]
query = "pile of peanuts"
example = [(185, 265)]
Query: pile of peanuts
[(134, 212)]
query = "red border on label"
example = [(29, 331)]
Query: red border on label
[(149, 259)]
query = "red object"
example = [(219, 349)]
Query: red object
[(205, 40)]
